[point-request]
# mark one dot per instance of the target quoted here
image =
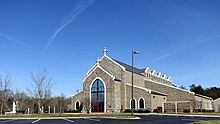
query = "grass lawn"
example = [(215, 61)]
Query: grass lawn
[(113, 115), (209, 122), (210, 113)]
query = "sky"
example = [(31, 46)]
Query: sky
[(179, 38)]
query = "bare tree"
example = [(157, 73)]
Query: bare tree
[(87, 105), (41, 87), (61, 102), (22, 99), (5, 92)]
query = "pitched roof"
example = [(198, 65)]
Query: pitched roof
[(129, 68)]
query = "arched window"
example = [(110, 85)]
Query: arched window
[(77, 105), (97, 96), (141, 103), (132, 104)]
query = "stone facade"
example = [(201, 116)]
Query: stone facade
[(138, 93), (151, 89), (157, 101), (217, 105), (178, 106), (203, 102)]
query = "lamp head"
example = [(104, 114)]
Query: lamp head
[(135, 52)]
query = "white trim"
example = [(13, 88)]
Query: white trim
[(205, 97), (76, 93), (154, 73), (88, 72), (98, 66), (123, 68), (139, 103), (148, 90), (176, 101), (75, 104), (147, 70), (104, 93), (159, 75), (134, 103), (168, 85)]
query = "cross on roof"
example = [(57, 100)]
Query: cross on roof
[(105, 51)]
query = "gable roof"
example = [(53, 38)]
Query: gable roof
[(217, 100), (98, 66), (129, 68)]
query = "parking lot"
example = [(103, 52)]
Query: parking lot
[(144, 119)]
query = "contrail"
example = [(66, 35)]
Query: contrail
[(15, 41), (68, 20), (188, 46)]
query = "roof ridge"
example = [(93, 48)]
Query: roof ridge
[(129, 67)]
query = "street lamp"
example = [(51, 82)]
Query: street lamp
[(132, 82)]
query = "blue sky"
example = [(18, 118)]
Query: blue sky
[(179, 38)]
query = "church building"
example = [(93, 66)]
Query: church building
[(107, 88)]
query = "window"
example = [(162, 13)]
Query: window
[(132, 103), (77, 105), (97, 96), (141, 103)]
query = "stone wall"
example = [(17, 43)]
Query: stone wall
[(111, 67), (77, 97), (181, 106), (184, 106), (117, 104), (169, 107), (138, 79), (109, 83), (217, 105), (157, 100), (173, 93), (138, 93)]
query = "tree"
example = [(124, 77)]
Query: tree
[(183, 87), (60, 103), (87, 105), (197, 89), (212, 92), (5, 91), (41, 87), (22, 99)]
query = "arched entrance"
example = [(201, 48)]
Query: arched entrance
[(97, 96)]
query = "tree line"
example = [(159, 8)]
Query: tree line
[(37, 98), (213, 92)]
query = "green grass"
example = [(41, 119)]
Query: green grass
[(112, 115), (209, 122), (202, 113)]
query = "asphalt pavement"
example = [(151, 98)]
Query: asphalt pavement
[(144, 119)]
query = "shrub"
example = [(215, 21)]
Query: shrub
[(147, 111), (137, 111), (73, 111), (127, 111), (20, 111), (186, 111)]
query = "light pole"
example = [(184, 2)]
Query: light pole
[(132, 82)]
